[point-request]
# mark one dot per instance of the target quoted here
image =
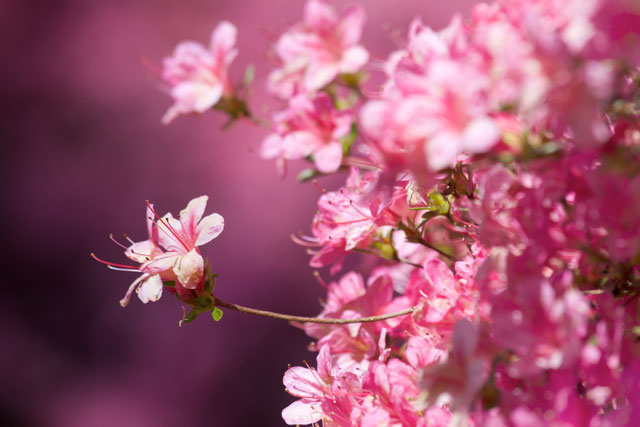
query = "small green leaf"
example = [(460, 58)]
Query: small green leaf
[(169, 283), (249, 74), (216, 313), (308, 174)]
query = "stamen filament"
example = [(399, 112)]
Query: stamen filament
[(113, 264), (167, 225)]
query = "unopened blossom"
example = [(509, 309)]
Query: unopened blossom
[(317, 50), (198, 76), (310, 126)]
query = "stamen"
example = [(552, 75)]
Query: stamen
[(111, 267), (167, 225), (127, 237), (315, 183), (116, 242), (320, 280), (113, 264)]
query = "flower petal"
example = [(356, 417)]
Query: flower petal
[(328, 158), (150, 289), (209, 228), (302, 412), (190, 215), (302, 382), (124, 301), (142, 251), (189, 268)]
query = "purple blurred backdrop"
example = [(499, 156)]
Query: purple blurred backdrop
[(82, 149)]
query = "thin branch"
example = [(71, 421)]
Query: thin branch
[(303, 319)]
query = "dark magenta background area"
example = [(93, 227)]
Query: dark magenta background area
[(82, 148)]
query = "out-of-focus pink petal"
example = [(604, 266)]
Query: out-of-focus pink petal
[(271, 146), (442, 150), (319, 15), (320, 74), (350, 26), (328, 158), (354, 59), (480, 135), (223, 40), (196, 96), (299, 144)]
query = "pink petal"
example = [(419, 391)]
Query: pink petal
[(223, 40), (442, 150), (190, 215), (160, 263), (302, 413), (271, 146), (124, 301), (350, 25), (320, 74), (320, 16), (328, 158), (150, 289), (170, 234), (324, 363), (353, 59), (299, 144), (195, 96), (209, 228), (302, 382), (480, 135), (189, 269), (142, 251)]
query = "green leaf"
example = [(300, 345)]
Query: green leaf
[(216, 313), (249, 74), (308, 174)]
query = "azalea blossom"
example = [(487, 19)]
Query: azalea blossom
[(317, 50), (197, 76), (309, 127), (171, 252)]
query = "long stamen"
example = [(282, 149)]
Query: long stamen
[(167, 225), (320, 280), (128, 238), (111, 267), (113, 264), (116, 242)]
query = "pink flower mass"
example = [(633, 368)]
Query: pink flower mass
[(491, 193)]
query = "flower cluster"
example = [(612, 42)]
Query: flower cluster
[(493, 179), (501, 202)]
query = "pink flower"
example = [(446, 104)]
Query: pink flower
[(171, 251), (310, 126), (326, 393), (197, 76), (317, 50)]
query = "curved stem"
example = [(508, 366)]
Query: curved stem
[(303, 319)]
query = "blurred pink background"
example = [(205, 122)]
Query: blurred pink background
[(82, 149)]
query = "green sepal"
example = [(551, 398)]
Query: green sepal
[(216, 313), (348, 140), (169, 283), (191, 316)]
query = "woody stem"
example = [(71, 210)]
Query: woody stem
[(303, 319)]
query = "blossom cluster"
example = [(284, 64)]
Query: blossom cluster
[(493, 177)]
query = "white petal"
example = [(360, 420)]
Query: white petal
[(302, 413), (188, 269), (209, 228), (150, 289)]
